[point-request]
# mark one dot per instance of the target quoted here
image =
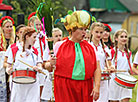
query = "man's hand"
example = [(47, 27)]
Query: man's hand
[(95, 93)]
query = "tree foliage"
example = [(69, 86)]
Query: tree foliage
[(60, 8)]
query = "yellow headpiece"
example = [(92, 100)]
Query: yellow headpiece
[(78, 19)]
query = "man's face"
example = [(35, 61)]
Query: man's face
[(79, 34)]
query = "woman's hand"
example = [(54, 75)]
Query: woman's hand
[(9, 70), (38, 69), (111, 69), (49, 65)]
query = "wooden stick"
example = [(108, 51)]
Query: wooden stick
[(31, 66), (117, 71), (120, 71), (106, 61)]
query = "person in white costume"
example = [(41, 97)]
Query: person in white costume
[(106, 36), (120, 55), (134, 68), (18, 41), (19, 31), (103, 53), (26, 53), (41, 43), (57, 35), (135, 63), (7, 36), (47, 94)]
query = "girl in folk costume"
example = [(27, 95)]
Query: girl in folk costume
[(19, 31), (41, 43), (122, 60), (135, 63), (34, 22), (76, 65), (97, 30), (57, 35), (7, 34), (106, 36), (134, 68), (47, 93), (108, 44), (28, 54)]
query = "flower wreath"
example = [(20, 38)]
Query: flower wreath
[(4, 18), (32, 14), (108, 27)]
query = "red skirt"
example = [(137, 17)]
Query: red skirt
[(69, 90)]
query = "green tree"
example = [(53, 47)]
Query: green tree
[(17, 9), (60, 8), (5, 2)]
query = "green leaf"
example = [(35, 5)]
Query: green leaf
[(70, 12)]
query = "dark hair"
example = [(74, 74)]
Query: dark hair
[(17, 30), (19, 26), (109, 43), (107, 29)]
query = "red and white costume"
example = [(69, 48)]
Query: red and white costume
[(117, 92), (24, 92), (104, 92), (41, 44), (136, 62)]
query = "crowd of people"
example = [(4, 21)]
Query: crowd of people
[(83, 67)]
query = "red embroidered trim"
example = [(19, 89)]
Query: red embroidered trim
[(124, 83), (24, 73)]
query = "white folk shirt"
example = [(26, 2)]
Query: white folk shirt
[(117, 92), (24, 92), (7, 54), (136, 58), (136, 62), (103, 84), (37, 44), (101, 55), (47, 93), (122, 62)]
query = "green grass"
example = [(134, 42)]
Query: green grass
[(134, 94)]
